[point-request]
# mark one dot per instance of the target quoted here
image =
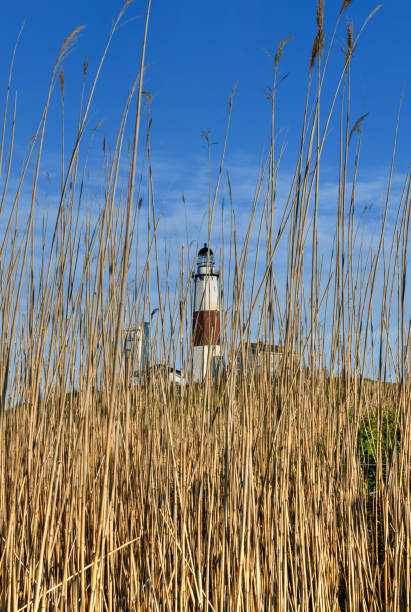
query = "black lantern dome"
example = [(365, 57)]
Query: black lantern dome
[(205, 250)]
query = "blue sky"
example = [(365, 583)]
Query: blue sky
[(197, 52)]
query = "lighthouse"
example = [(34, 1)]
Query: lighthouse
[(206, 316)]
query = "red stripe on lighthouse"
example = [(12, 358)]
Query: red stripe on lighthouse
[(206, 328)]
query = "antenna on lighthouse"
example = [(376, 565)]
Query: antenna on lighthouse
[(206, 315)]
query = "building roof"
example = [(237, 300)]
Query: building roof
[(262, 346)]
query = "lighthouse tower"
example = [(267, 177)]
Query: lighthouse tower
[(206, 316)]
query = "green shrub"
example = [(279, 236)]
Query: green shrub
[(377, 437)]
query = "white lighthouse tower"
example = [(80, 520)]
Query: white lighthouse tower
[(206, 316)]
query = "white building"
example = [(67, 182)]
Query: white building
[(261, 359), (137, 349), (169, 374)]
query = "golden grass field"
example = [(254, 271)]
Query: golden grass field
[(248, 491)]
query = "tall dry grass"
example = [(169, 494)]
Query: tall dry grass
[(252, 491)]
